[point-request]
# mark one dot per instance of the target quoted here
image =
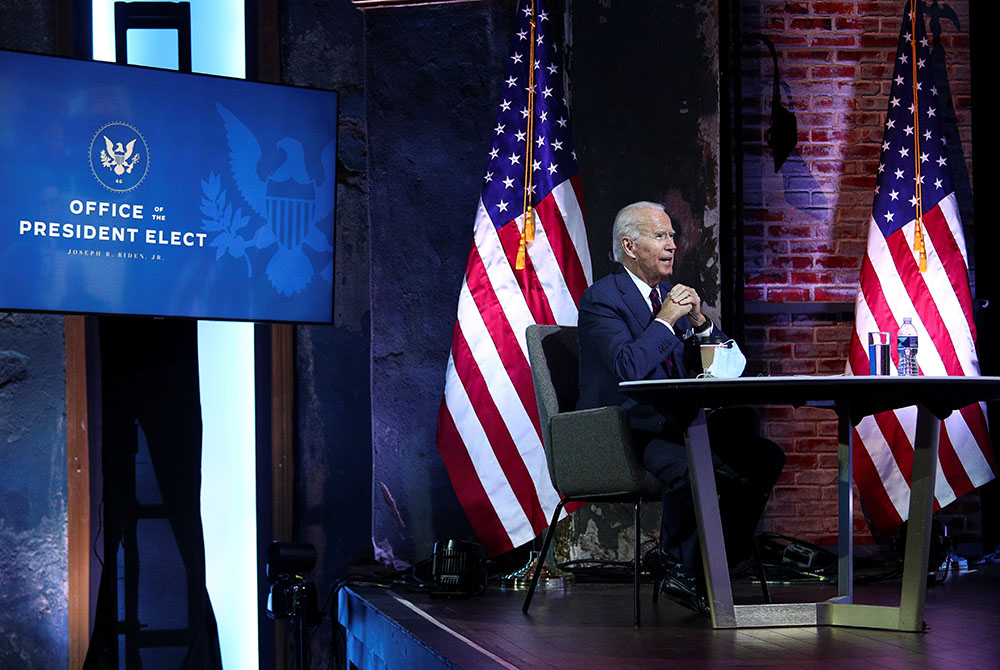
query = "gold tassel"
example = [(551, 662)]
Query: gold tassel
[(527, 235), (918, 246)]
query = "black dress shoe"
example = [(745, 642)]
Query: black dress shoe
[(657, 564), (670, 578), (686, 589)]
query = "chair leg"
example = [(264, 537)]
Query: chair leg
[(758, 566), (657, 584), (540, 560), (637, 560)]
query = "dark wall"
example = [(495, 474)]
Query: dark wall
[(322, 45), (33, 577), (28, 25), (33, 596), (433, 77), (645, 100)]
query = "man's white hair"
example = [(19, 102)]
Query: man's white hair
[(627, 225)]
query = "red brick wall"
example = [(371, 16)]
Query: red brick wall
[(806, 227)]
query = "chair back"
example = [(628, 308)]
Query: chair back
[(554, 356)]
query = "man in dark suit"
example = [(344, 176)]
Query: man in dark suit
[(634, 324)]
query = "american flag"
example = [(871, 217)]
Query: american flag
[(488, 430), (893, 286)]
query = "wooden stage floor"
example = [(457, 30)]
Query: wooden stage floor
[(590, 626)]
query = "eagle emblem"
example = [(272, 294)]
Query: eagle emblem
[(118, 158), (289, 200)]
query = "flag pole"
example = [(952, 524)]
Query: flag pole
[(550, 577), (528, 233), (918, 232)]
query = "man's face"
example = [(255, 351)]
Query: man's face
[(651, 257)]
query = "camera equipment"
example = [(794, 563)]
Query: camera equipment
[(291, 597), (459, 569), (800, 555)]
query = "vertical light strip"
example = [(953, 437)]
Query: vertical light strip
[(229, 484), (225, 357)]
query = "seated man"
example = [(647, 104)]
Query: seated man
[(634, 324)]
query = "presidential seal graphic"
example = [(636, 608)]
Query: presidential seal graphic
[(289, 206), (119, 157)]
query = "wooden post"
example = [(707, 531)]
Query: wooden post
[(77, 490)]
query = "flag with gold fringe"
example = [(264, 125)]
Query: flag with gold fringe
[(916, 265), (529, 263)]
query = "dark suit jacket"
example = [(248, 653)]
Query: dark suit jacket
[(619, 341)]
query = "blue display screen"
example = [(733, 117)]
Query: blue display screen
[(138, 191)]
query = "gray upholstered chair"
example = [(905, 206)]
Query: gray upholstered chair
[(589, 452)]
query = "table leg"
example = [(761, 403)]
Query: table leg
[(845, 509), (706, 506), (839, 611), (918, 531)]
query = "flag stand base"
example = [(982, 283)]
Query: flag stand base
[(551, 578)]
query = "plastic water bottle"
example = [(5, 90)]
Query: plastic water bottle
[(906, 345)]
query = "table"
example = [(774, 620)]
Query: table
[(852, 398)]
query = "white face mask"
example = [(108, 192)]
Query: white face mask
[(729, 361)]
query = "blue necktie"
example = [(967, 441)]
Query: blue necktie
[(654, 297)]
